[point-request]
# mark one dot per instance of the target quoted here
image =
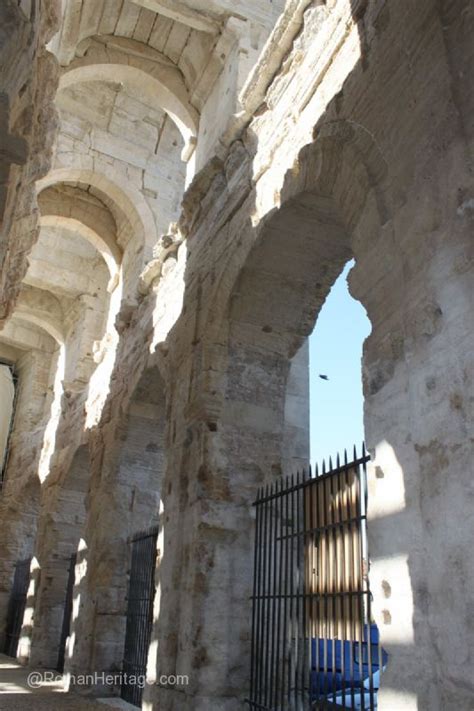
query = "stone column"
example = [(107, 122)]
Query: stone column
[(418, 367), (60, 528), (127, 462), (296, 435), (20, 500), (224, 445)]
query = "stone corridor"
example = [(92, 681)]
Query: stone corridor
[(181, 184)]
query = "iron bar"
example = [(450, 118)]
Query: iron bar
[(264, 577), (66, 625), (139, 622), (314, 644), (308, 482), (254, 645)]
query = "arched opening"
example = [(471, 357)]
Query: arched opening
[(87, 256), (335, 366), (32, 353), (328, 212), (125, 130), (131, 474), (34, 340), (169, 96), (77, 258), (60, 529), (287, 279)]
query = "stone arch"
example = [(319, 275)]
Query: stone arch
[(62, 206), (109, 252), (328, 212), (41, 309), (129, 206), (84, 212), (142, 68), (52, 329), (341, 164)]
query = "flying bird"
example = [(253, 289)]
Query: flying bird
[(323, 377)]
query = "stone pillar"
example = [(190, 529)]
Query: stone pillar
[(18, 539), (60, 527), (20, 499), (418, 388), (128, 458), (296, 434), (221, 451)]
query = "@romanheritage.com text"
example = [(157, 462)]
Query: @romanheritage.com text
[(36, 679)]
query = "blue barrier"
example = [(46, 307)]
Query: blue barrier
[(345, 680)]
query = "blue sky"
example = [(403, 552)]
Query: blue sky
[(335, 349)]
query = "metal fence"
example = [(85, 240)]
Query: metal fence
[(6, 455), (16, 606), (314, 644), (66, 626), (141, 593)]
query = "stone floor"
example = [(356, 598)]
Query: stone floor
[(16, 693)]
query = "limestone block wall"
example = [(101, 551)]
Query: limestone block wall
[(20, 492), (128, 139), (377, 185), (28, 80), (295, 449), (126, 498), (60, 527)]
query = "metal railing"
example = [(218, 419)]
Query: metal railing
[(6, 455), (68, 604), (314, 644), (141, 593)]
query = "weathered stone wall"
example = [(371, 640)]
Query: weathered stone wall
[(60, 527), (28, 80), (295, 448), (20, 492), (387, 182)]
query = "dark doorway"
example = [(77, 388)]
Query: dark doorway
[(141, 592), (66, 626), (16, 606)]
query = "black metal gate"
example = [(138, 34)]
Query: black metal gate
[(4, 463), (141, 592), (16, 606), (66, 626), (314, 643)]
